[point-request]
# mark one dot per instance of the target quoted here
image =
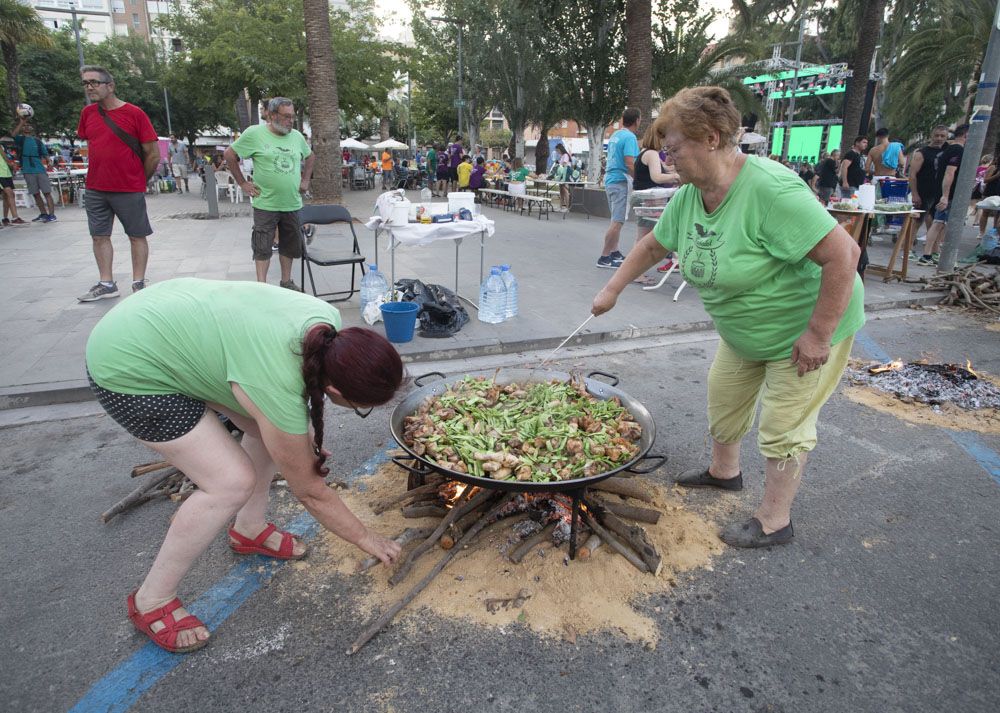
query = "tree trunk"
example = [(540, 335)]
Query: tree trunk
[(383, 128), (542, 151), (13, 80), (639, 58), (871, 18), (242, 112), (595, 136), (324, 109)]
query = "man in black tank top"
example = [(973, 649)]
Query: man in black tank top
[(924, 186)]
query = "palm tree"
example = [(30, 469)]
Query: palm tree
[(940, 65), (871, 18), (639, 56), (19, 24), (324, 109)]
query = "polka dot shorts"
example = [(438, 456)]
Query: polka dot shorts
[(155, 418)]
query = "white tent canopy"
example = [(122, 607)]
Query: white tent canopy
[(752, 138), (352, 143), (390, 144)]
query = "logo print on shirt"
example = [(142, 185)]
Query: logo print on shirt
[(700, 258)]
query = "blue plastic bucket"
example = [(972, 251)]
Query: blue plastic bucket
[(399, 318)]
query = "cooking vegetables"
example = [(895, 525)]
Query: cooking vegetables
[(541, 432)]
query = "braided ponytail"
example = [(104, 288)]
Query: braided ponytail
[(360, 363)]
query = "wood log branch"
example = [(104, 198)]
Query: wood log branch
[(149, 467), (380, 623), (413, 494), (632, 512), (460, 508), (136, 496), (624, 486), (529, 543), (402, 539), (615, 544), (636, 538), (418, 511), (589, 547)]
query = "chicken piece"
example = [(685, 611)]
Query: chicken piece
[(597, 449), (574, 446), (491, 466), (445, 413), (419, 448), (523, 472), (591, 468), (494, 456), (510, 460), (460, 467), (502, 474)]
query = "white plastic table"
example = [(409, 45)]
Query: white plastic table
[(427, 233)]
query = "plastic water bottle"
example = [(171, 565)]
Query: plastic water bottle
[(492, 298), (510, 284), (373, 286), (425, 195)]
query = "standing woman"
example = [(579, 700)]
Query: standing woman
[(170, 358), (565, 173), (651, 172), (777, 275)]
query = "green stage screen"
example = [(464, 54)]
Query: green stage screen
[(806, 142)]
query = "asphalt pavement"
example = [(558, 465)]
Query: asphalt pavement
[(886, 602)]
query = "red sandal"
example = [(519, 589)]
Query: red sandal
[(165, 638), (256, 546)]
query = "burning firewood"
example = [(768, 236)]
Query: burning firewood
[(402, 539), (589, 547), (615, 544), (423, 510), (527, 545), (430, 488), (624, 486), (389, 615), (622, 509)]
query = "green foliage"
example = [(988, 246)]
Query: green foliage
[(495, 138), (260, 46), (50, 81)]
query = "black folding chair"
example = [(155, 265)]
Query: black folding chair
[(329, 248)]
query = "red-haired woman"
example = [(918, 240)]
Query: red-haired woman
[(170, 358)]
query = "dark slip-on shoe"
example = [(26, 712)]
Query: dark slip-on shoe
[(751, 534), (695, 478)]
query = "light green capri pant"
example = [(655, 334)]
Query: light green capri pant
[(789, 403)]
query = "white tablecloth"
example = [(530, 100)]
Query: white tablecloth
[(426, 233)]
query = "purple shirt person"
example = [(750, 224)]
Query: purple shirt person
[(455, 152), (476, 177)]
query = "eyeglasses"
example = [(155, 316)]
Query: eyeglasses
[(359, 412), (93, 82)]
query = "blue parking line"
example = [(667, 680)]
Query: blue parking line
[(968, 441), (118, 690)]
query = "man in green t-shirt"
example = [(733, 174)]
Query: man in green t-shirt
[(282, 168), (432, 166)]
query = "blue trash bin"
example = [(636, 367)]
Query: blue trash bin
[(400, 319), (894, 190)]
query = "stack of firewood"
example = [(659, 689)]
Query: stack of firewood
[(168, 482), (603, 523), (971, 286)]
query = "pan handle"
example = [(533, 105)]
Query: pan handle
[(614, 379), (405, 462), (658, 460), (417, 381)]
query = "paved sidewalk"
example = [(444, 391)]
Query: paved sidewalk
[(46, 267)]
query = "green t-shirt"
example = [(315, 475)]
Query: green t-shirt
[(519, 175), (4, 168), (432, 161), (748, 258), (277, 166), (194, 337)]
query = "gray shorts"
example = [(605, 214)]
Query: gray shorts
[(130, 209), (824, 194), (617, 200), (289, 233), (38, 183), (180, 170)]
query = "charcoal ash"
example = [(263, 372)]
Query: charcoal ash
[(932, 384)]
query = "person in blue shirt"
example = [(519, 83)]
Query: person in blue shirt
[(33, 156), (623, 148)]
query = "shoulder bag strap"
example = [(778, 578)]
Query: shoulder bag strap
[(127, 138)]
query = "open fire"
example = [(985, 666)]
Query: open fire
[(604, 518), (932, 384)]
